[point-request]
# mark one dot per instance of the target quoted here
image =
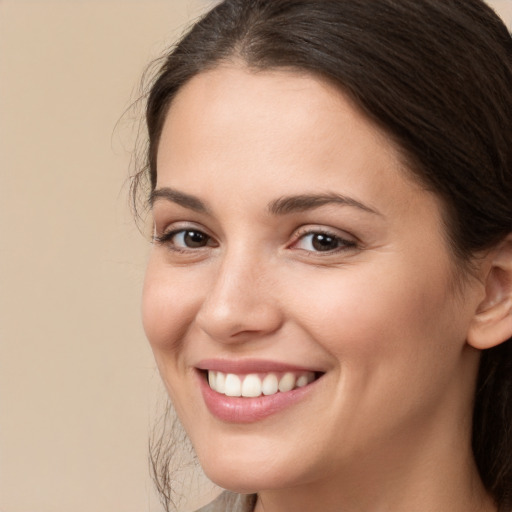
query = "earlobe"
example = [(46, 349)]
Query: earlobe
[(492, 323)]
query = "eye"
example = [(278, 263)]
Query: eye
[(322, 242), (180, 239)]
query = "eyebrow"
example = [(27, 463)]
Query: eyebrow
[(180, 198), (304, 202), (281, 206)]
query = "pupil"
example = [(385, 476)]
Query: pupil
[(195, 239), (324, 242)]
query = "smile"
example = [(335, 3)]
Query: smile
[(250, 391), (254, 385)]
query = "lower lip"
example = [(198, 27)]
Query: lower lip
[(249, 410)]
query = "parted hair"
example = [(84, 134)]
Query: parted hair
[(436, 76)]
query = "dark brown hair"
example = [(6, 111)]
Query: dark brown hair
[(436, 76)]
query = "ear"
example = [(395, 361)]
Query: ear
[(492, 323)]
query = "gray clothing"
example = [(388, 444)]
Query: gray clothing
[(231, 502)]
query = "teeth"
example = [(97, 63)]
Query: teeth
[(233, 385), (254, 385), (251, 386), (302, 381), (212, 379), (270, 384), (220, 382), (287, 382)]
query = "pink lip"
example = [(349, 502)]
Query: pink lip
[(244, 366), (248, 410)]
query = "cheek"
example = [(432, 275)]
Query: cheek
[(167, 314), (167, 311), (383, 314), (396, 341)]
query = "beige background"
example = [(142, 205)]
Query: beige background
[(78, 387)]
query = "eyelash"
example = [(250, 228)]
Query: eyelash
[(167, 239), (342, 244)]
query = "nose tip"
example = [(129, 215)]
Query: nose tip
[(240, 305)]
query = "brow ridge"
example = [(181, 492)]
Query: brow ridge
[(181, 198), (303, 202), (281, 206)]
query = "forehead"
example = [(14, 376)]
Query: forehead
[(278, 127), (231, 93), (267, 117)]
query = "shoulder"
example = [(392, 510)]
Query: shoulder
[(231, 502)]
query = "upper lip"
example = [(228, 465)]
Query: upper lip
[(244, 366)]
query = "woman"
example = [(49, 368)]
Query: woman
[(329, 296)]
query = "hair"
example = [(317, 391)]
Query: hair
[(436, 77)]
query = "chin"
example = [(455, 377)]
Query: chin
[(249, 471), (246, 481)]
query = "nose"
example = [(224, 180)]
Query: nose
[(241, 303)]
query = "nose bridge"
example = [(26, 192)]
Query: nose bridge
[(240, 299)]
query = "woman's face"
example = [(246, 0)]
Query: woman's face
[(293, 248)]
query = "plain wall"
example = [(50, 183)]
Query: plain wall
[(77, 379), (78, 386)]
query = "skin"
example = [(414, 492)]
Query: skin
[(387, 427)]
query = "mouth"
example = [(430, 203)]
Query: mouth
[(252, 391), (254, 385)]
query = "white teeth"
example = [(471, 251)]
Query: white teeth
[(302, 381), (287, 382), (211, 379), (252, 385), (270, 385), (233, 385), (220, 382)]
